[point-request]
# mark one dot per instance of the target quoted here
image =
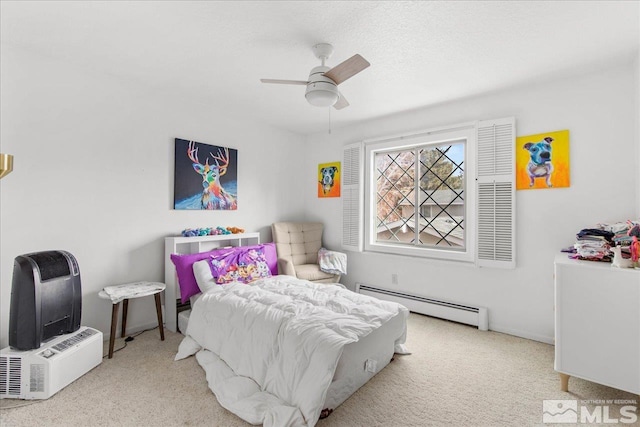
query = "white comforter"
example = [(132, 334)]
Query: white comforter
[(270, 349)]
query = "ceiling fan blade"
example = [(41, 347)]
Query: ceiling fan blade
[(285, 82), (347, 69), (341, 102)]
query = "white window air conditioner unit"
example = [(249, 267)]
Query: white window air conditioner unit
[(41, 373)]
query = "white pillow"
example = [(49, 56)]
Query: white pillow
[(204, 278)]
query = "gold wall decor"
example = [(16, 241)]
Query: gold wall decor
[(6, 164)]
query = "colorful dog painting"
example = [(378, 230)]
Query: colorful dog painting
[(540, 165), (329, 179), (542, 160)]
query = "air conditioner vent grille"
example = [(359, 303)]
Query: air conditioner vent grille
[(74, 340), (37, 378), (10, 375), (3, 375)]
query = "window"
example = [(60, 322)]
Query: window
[(446, 193), (437, 173), (420, 200)]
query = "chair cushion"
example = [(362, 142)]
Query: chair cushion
[(298, 241), (312, 272)]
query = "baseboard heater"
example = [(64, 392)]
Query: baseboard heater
[(476, 316)]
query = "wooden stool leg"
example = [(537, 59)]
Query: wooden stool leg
[(114, 322), (159, 311), (564, 382), (125, 309)]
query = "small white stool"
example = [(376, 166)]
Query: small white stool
[(125, 306)]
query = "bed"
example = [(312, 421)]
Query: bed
[(281, 351)]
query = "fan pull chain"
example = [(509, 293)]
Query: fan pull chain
[(329, 120)]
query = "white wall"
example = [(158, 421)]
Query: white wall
[(600, 111), (93, 175)]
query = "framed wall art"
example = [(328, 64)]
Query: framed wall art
[(542, 160), (329, 179), (206, 176)]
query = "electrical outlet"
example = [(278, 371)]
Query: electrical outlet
[(394, 279)]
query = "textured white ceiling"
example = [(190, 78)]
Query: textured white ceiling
[(421, 53)]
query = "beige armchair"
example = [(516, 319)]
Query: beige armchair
[(297, 244)]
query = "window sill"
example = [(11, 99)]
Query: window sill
[(457, 257)]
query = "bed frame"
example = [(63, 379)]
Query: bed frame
[(191, 245)]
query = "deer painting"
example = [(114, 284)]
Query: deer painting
[(213, 195)]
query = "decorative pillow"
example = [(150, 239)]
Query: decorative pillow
[(184, 265), (239, 265), (184, 271), (271, 255)]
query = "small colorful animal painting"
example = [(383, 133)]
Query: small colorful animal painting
[(206, 176), (329, 179), (542, 160)]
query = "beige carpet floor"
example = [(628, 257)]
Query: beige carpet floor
[(456, 376)]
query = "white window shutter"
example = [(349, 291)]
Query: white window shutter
[(496, 193), (352, 197)]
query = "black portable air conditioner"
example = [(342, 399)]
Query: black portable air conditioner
[(46, 298)]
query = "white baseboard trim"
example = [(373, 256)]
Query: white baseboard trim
[(522, 334)]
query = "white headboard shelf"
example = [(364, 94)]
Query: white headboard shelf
[(192, 245)]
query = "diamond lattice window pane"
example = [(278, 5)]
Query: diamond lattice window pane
[(435, 218), (395, 180)]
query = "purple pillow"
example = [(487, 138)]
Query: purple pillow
[(184, 266), (184, 271), (271, 255), (240, 264)]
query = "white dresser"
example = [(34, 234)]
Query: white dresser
[(597, 323)]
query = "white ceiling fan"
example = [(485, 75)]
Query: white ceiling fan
[(322, 85)]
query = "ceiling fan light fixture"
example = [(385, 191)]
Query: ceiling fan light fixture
[(322, 97), (323, 81), (322, 94)]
